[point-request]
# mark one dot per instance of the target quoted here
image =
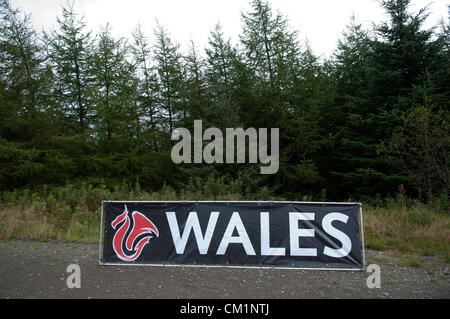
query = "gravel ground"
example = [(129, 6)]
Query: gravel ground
[(38, 271)]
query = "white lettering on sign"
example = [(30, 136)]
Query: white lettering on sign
[(236, 225)]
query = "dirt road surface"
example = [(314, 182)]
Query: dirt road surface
[(36, 270)]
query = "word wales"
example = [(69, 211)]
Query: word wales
[(271, 234)]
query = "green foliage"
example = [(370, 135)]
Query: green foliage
[(171, 75), (379, 78), (100, 110), (421, 149), (70, 50)]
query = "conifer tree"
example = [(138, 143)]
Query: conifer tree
[(224, 69), (354, 160), (26, 119), (114, 88), (21, 60), (147, 88), (194, 96), (170, 75), (271, 49), (405, 55), (70, 50)]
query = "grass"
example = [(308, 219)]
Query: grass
[(411, 261), (72, 213), (417, 230), (32, 223)]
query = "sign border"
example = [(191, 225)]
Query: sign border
[(361, 224)]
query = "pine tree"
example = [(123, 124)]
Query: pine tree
[(70, 50), (355, 166), (379, 78), (224, 70), (289, 93), (220, 56), (195, 95), (271, 49), (26, 121), (114, 88), (404, 57), (21, 60), (147, 89), (170, 75)]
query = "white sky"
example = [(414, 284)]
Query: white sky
[(321, 22)]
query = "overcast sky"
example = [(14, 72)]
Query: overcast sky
[(321, 22)]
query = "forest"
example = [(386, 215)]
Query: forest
[(91, 110)]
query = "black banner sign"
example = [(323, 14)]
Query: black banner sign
[(249, 234)]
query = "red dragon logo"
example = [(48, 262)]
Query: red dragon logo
[(133, 233)]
